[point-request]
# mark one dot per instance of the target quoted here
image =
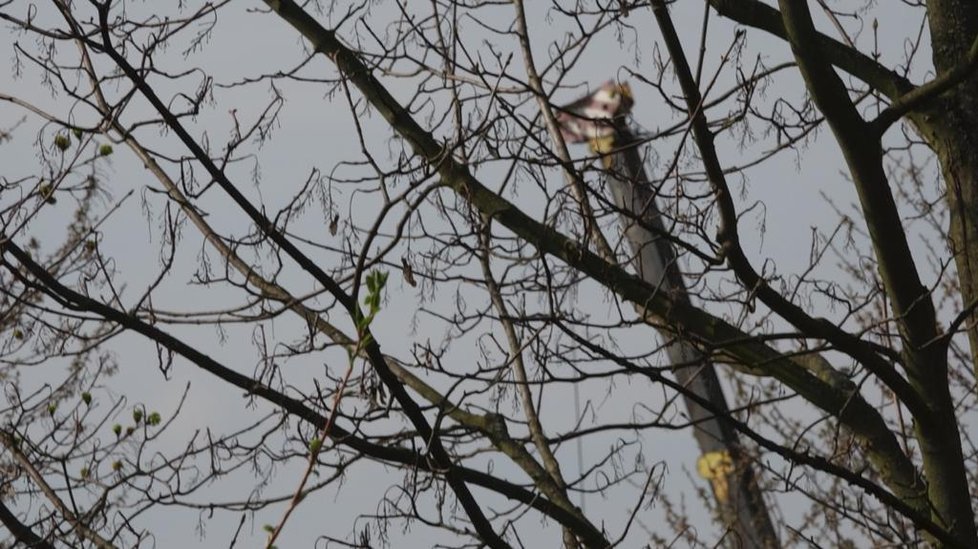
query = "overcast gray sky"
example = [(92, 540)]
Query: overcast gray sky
[(315, 131)]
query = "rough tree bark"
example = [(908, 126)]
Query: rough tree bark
[(951, 129)]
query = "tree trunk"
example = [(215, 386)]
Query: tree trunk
[(953, 134), (955, 140)]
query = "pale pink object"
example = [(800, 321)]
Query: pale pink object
[(593, 116)]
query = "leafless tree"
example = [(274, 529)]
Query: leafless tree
[(331, 274)]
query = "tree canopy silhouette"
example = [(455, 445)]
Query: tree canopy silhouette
[(337, 273)]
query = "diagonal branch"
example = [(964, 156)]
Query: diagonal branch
[(75, 301), (273, 291), (813, 379), (411, 408), (8, 442), (729, 238), (925, 93), (756, 14), (578, 187), (21, 531), (924, 360), (920, 519)]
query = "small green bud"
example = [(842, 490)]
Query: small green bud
[(53, 407), (77, 133), (18, 334), (315, 444), (85, 473), (268, 528), (117, 465), (87, 398), (105, 149), (117, 429), (130, 430), (154, 418), (62, 141), (137, 415), (47, 192)]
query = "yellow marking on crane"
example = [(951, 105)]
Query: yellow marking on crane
[(717, 468), (602, 145)]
